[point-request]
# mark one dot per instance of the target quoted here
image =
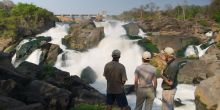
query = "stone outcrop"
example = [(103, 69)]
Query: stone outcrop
[(131, 29), (25, 49), (82, 91), (50, 53), (193, 72), (207, 95), (33, 87), (7, 103), (176, 42), (88, 75), (83, 36)]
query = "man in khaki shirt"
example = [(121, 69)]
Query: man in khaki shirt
[(115, 75)]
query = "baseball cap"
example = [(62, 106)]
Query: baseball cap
[(146, 55), (169, 50), (116, 53)]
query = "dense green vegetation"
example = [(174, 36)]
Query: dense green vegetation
[(22, 19), (182, 11), (147, 45)]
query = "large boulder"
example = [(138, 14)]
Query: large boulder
[(50, 53), (5, 61), (42, 92), (27, 46), (30, 70), (88, 75), (207, 95), (46, 72), (131, 29), (7, 86), (176, 42), (83, 36), (7, 103), (83, 92), (193, 72)]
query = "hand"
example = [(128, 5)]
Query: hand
[(170, 82)]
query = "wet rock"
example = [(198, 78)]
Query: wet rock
[(83, 92), (27, 48), (42, 92), (31, 70), (83, 36), (178, 103), (49, 54), (131, 29), (207, 94), (88, 75)]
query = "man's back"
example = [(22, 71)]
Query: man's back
[(115, 74), (145, 73)]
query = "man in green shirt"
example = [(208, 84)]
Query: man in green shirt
[(115, 74)]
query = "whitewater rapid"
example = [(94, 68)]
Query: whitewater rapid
[(115, 38)]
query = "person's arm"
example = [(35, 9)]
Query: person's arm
[(136, 82), (155, 82), (168, 81), (124, 76)]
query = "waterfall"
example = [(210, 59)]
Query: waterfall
[(74, 62)]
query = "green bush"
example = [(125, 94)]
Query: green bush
[(217, 17), (147, 45), (14, 22)]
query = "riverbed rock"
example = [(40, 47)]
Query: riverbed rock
[(207, 95), (83, 36), (30, 70), (131, 29), (7, 103), (193, 72), (83, 92), (176, 42), (88, 75), (42, 92), (27, 48), (7, 86), (49, 54)]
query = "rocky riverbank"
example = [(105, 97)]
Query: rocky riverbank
[(33, 87)]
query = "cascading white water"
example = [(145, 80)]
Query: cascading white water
[(74, 62)]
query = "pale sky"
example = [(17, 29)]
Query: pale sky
[(95, 6)]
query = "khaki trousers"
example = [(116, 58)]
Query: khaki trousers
[(147, 95), (168, 99)]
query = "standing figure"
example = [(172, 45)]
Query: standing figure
[(145, 83), (116, 77), (169, 77)]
